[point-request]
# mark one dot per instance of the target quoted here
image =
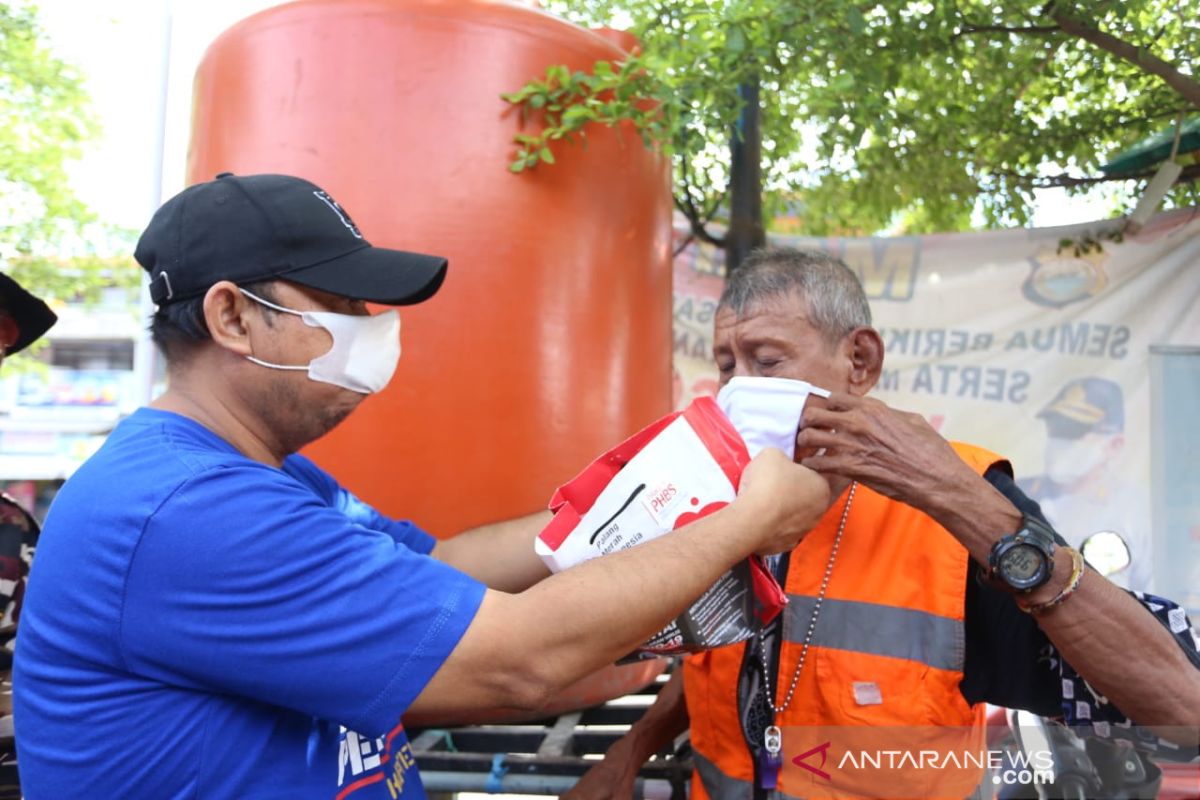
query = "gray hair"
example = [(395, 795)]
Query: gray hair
[(836, 301)]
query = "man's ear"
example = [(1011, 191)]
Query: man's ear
[(228, 315), (865, 349)]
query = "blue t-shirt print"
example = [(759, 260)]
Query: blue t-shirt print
[(366, 765), (243, 619)]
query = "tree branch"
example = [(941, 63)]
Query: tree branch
[(695, 223), (683, 245), (1190, 173), (1041, 30), (1140, 57), (696, 219)]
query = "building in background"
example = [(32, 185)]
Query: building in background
[(56, 412)]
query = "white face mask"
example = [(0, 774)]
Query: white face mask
[(365, 349), (1068, 461), (766, 411)]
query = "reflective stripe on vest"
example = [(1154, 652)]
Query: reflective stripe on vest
[(879, 630), (903, 639), (717, 784)]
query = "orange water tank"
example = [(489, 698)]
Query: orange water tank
[(551, 337)]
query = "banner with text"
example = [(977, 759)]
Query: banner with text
[(1011, 341)]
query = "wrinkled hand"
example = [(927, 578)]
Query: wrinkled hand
[(788, 499), (612, 778), (896, 453)]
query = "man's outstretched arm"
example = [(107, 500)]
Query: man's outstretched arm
[(521, 649), (499, 555)]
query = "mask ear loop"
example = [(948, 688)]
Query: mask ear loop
[(269, 304), (275, 307), (268, 364)]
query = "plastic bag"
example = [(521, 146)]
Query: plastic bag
[(677, 470)]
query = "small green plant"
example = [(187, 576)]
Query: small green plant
[(566, 102)]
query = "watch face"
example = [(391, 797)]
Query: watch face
[(1022, 565)]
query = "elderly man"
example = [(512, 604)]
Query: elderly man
[(214, 616), (931, 586)]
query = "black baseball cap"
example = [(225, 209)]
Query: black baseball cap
[(249, 228), (32, 315)]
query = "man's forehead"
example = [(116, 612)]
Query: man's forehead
[(778, 311)]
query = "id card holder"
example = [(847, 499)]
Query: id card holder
[(770, 759)]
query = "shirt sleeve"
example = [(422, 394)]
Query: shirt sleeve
[(1090, 713), (336, 496), (244, 582), (1010, 662)]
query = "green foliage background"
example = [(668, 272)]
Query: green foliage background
[(920, 116), (49, 240)]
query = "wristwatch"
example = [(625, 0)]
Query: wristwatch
[(1024, 560)]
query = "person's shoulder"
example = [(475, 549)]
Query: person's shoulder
[(306, 472), (1039, 487), (139, 456), (151, 457), (980, 458), (304, 469), (151, 435), (185, 439)]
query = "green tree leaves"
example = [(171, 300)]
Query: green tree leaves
[(48, 238), (566, 102), (918, 114)]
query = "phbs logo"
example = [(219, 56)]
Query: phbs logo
[(661, 500)]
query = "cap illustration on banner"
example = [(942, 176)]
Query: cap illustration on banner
[(1085, 405)]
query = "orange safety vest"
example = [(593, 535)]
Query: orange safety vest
[(888, 649)]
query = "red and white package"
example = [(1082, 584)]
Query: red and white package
[(675, 471)]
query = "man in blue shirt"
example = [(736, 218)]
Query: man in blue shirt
[(212, 615)]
